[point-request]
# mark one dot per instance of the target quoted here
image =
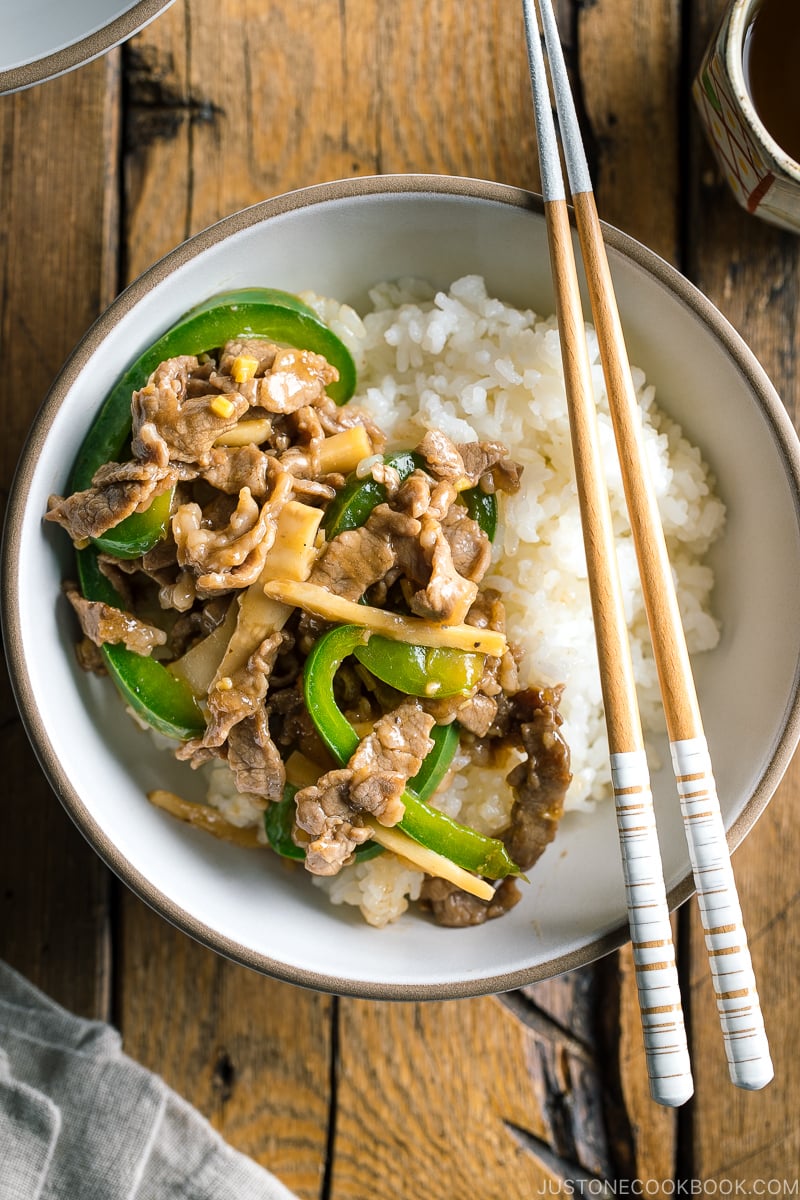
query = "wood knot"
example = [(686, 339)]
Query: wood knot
[(156, 107), (224, 1076)]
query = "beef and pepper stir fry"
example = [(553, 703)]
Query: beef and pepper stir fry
[(270, 587)]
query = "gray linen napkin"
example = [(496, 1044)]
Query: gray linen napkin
[(79, 1120)]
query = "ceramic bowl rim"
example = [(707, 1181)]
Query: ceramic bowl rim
[(84, 50), (690, 297)]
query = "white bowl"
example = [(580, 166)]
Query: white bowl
[(338, 239), (45, 38)]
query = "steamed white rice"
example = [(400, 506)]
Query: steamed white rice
[(466, 363)]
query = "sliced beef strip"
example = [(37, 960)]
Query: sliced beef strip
[(470, 548), (351, 562), (387, 758), (488, 611), (401, 533), (373, 782), (293, 728), (228, 556), (227, 705), (191, 626), (456, 909), (288, 667), (317, 489), (89, 657), (482, 464), (232, 468), (118, 489), (105, 625), (197, 755), (447, 596), (260, 349), (500, 678), (424, 550), (531, 721), (488, 466), (334, 418), (421, 494), (395, 542), (285, 379), (414, 494), (307, 436), (441, 455), (541, 782), (295, 379), (176, 587), (326, 824), (162, 556), (171, 423), (477, 714), (254, 759), (422, 555), (119, 572)]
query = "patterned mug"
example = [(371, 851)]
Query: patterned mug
[(764, 178)]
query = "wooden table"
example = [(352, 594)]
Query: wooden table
[(221, 103)]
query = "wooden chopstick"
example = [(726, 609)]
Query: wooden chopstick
[(746, 1045), (648, 913)]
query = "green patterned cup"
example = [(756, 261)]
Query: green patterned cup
[(764, 178)]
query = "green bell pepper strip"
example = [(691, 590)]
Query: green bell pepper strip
[(359, 497), (161, 699), (279, 823), (139, 532), (464, 846), (252, 312), (421, 670), (482, 507)]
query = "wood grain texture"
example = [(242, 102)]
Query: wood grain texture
[(751, 272), (316, 90), (58, 268), (227, 102), (629, 64), (473, 1097), (252, 1054)]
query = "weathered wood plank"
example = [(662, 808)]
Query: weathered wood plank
[(466, 1096), (629, 60), (752, 272), (455, 91), (316, 91), (58, 221), (252, 1054)]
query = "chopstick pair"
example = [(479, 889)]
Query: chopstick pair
[(733, 980)]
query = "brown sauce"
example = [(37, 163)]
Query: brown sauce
[(772, 70)]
